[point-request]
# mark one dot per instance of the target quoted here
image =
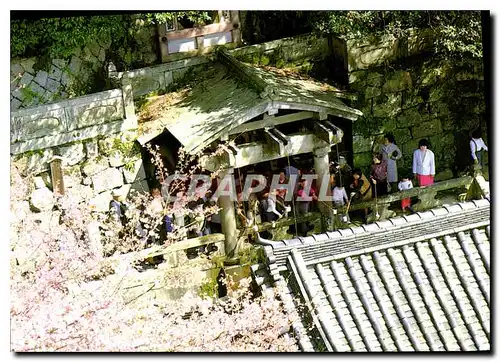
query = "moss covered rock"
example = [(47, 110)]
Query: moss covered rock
[(427, 129), (362, 159)]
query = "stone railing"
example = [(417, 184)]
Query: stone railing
[(71, 120)]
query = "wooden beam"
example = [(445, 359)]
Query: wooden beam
[(256, 152), (322, 116), (272, 122), (281, 136), (324, 132), (274, 143)]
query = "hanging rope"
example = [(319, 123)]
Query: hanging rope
[(293, 198), (244, 207)]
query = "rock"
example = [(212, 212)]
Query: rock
[(72, 177), (409, 147), (387, 106), (20, 210), (55, 73), (371, 92), (37, 89), (444, 175), (79, 193), (37, 163), (361, 144), (75, 65), (117, 159), (362, 159), (402, 135), (39, 183), (41, 78), (42, 200), (59, 63), (72, 154), (47, 220), (95, 166), (134, 171), (410, 117), (52, 85), (87, 181), (107, 180), (398, 81), (100, 203), (26, 78), (425, 129), (16, 70), (15, 104), (125, 190), (47, 179), (91, 149), (94, 234)]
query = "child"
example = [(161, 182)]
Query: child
[(405, 184), (339, 196)]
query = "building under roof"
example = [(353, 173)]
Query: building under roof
[(413, 283), (229, 93)]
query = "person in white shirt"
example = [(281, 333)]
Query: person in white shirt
[(339, 196), (424, 167), (405, 184), (477, 147)]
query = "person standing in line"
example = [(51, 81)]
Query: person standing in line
[(477, 147), (362, 187), (302, 208), (391, 153), (379, 176), (268, 203), (424, 167), (405, 184)]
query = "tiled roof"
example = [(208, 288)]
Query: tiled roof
[(418, 283)]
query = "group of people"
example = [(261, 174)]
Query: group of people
[(272, 204)]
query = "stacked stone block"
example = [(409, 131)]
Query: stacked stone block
[(430, 98), (92, 169)]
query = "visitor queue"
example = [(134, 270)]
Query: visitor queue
[(346, 185)]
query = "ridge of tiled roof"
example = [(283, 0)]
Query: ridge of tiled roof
[(428, 293), (399, 230)]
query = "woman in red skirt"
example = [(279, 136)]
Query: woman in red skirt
[(424, 167)]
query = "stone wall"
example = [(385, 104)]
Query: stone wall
[(405, 90), (91, 170), (95, 137), (35, 81)]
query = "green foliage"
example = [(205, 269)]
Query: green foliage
[(251, 255), (62, 37), (456, 32)]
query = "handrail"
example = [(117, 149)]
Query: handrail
[(416, 191)]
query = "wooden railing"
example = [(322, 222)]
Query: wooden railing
[(426, 198)]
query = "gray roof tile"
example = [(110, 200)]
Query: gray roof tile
[(426, 288)]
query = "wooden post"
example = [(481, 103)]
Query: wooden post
[(57, 175), (322, 167), (228, 220), (236, 32)]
